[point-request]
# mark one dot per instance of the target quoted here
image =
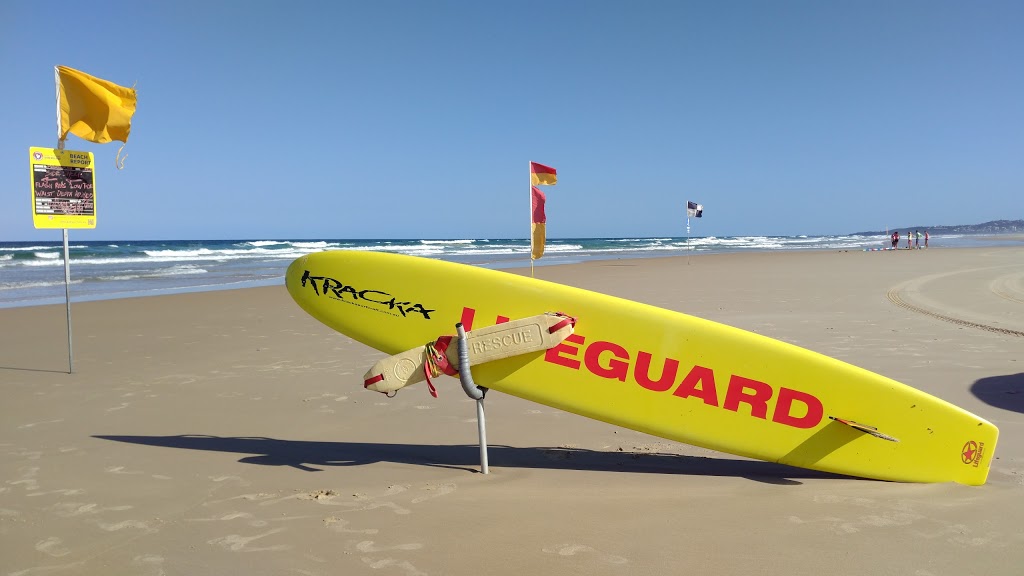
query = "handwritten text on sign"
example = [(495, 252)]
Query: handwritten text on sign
[(63, 188)]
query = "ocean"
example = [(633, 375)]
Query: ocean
[(32, 273)]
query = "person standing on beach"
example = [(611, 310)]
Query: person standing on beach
[(925, 238), (917, 238), (908, 239), (896, 240)]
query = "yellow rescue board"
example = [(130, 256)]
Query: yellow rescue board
[(656, 371)]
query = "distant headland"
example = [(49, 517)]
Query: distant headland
[(993, 227)]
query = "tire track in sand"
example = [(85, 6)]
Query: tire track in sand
[(1006, 287), (999, 287)]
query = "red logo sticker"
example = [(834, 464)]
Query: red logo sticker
[(970, 452)]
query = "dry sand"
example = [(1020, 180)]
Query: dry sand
[(228, 433)]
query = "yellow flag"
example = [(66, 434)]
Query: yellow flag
[(92, 108)]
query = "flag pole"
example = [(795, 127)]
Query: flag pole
[(688, 247), (67, 259)]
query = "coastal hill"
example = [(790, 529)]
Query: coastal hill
[(993, 227)]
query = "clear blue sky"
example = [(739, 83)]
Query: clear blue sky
[(416, 119)]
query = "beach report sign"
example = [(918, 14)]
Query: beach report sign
[(63, 188)]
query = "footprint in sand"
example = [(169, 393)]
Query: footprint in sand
[(960, 534), (889, 519), (395, 489), (435, 492), (318, 495), (339, 525), (372, 505), (28, 479), (151, 562), (52, 546), (118, 526), (359, 501), (261, 497), (899, 514), (239, 543), (834, 499), (72, 509), (367, 546), (61, 491), (837, 525), (121, 470), (574, 549), (34, 424), (238, 479), (870, 522), (326, 395), (367, 502), (401, 564), (251, 520), (222, 517), (49, 569)]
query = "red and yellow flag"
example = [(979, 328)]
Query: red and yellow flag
[(541, 174), (92, 108), (538, 223)]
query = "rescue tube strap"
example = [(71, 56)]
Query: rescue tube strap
[(566, 319), (437, 362)]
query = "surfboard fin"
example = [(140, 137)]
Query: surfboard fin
[(512, 338), (864, 428)]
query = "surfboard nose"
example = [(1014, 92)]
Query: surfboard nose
[(293, 275)]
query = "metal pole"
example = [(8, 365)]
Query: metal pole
[(473, 391), (688, 247), (67, 299), (67, 261), (481, 427)]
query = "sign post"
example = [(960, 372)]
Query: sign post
[(63, 196)]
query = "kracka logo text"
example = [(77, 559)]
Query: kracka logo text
[(325, 286)]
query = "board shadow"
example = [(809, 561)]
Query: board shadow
[(1006, 392), (315, 456)]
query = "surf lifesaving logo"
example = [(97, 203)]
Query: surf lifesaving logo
[(373, 299), (972, 453)]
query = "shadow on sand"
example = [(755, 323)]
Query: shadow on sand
[(1006, 392), (314, 456)]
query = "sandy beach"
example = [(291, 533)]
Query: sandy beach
[(228, 433)]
